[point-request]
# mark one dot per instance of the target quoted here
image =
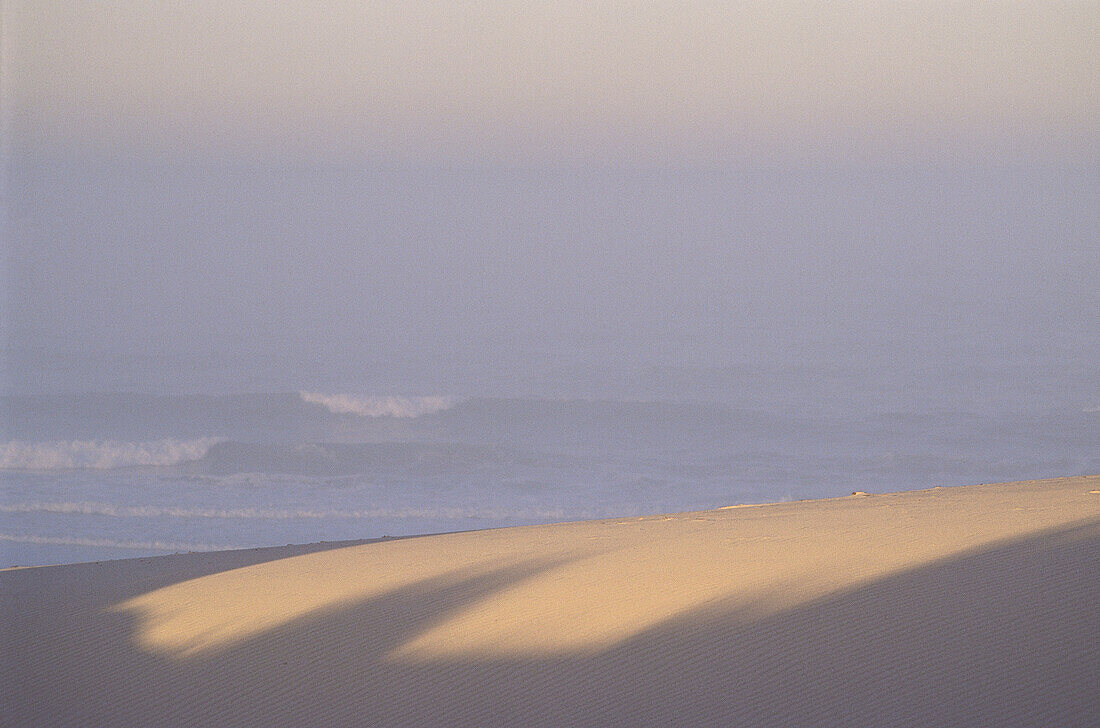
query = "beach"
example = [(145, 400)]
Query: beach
[(975, 605), (549, 364)]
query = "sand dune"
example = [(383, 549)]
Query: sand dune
[(976, 606)]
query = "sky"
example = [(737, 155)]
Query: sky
[(550, 82), (376, 194)]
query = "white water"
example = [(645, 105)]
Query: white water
[(99, 455), (402, 407), (271, 469)]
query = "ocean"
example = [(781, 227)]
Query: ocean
[(104, 475), (235, 354)]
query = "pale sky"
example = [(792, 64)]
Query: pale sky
[(549, 82)]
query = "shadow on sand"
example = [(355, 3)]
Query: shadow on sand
[(1008, 635)]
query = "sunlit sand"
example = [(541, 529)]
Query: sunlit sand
[(974, 605)]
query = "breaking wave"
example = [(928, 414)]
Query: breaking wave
[(401, 407), (100, 454)]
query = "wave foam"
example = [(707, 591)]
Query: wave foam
[(402, 407), (113, 544), (99, 454)]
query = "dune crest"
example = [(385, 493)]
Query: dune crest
[(948, 606)]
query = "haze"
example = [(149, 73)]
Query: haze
[(420, 198)]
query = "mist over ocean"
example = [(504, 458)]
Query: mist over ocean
[(92, 476), (223, 356)]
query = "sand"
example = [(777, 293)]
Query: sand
[(971, 606)]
